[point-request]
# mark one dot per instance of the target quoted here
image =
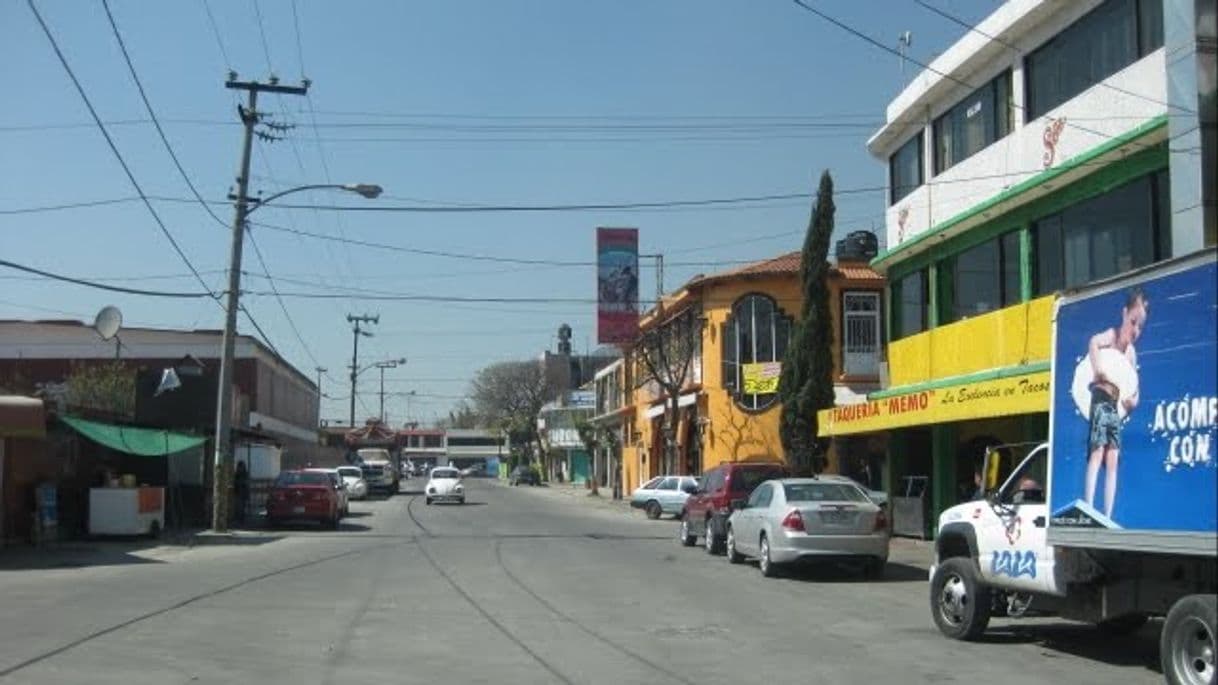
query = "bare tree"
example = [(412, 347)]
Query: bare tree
[(460, 416), (509, 396), (668, 349)]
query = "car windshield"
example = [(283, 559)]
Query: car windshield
[(823, 492), (289, 478), (445, 473)]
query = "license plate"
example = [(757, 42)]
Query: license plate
[(833, 516), (297, 510)]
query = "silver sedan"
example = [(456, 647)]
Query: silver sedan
[(796, 520)]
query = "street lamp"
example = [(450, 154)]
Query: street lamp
[(244, 206)]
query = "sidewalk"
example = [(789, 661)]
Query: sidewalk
[(575, 492)]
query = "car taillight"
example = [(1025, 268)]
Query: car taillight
[(794, 521), (881, 521)]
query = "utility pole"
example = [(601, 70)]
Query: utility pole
[(356, 332), (223, 439)]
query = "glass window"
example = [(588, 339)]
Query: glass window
[(1027, 484), (909, 305), (651, 484), (714, 480), (985, 277), (1123, 229), (974, 123), (823, 492), (744, 480), (668, 484), (756, 332), (289, 478), (761, 497), (689, 483), (905, 169), (1104, 41)]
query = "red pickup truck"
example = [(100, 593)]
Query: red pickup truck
[(708, 507)]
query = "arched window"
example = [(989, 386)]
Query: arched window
[(757, 331)]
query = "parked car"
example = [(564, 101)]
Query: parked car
[(663, 495), (523, 474), (444, 484), (353, 477), (796, 520), (340, 487), (708, 507), (878, 496), (303, 495)]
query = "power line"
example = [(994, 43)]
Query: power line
[(1014, 48), (114, 149), (104, 286), (282, 306), (872, 41), (215, 30)]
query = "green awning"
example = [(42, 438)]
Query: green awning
[(144, 442)]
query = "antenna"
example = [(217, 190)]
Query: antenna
[(904, 42)]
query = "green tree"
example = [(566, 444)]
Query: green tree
[(108, 388), (806, 385)]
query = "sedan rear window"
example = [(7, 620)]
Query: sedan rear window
[(289, 478), (351, 472), (444, 473), (823, 492)]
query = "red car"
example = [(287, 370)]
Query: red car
[(709, 506), (303, 495)]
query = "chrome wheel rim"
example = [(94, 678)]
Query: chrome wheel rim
[(684, 534), (953, 600), (764, 561), (731, 543), (710, 538), (1192, 651)]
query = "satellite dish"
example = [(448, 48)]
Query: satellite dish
[(108, 321)]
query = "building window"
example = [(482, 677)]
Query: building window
[(1123, 229), (756, 332), (905, 169), (985, 277), (860, 333), (974, 123), (1106, 40), (910, 305)]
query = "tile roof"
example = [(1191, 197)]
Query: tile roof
[(782, 265), (858, 272)]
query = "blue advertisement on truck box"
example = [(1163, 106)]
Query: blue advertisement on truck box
[(1135, 405)]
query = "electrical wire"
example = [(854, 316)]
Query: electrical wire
[(114, 149), (215, 29), (1013, 48), (872, 41), (105, 286)]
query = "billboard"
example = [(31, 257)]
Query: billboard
[(1134, 404), (617, 284)]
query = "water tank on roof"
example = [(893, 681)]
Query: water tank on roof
[(857, 246)]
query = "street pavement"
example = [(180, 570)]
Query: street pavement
[(521, 585)]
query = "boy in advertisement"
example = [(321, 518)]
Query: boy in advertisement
[(1108, 407)]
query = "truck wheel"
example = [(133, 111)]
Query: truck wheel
[(959, 603), (1186, 646), (713, 544), (653, 509), (686, 536), (1122, 625)]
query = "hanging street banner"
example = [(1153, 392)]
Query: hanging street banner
[(761, 379), (617, 285), (1010, 396)]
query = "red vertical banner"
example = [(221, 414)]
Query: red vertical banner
[(617, 285)]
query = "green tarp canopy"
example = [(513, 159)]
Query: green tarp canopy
[(143, 442)]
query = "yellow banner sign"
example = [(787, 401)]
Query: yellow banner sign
[(1026, 394), (761, 379)]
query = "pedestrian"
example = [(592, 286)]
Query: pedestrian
[(241, 487)]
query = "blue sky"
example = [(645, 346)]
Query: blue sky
[(537, 102)]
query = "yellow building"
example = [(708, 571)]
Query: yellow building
[(737, 317)]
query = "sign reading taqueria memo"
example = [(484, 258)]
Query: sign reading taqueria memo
[(1027, 394)]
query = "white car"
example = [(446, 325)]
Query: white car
[(357, 487), (340, 486), (444, 484)]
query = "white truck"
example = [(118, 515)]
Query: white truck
[(380, 472), (1113, 520)]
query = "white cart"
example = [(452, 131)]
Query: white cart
[(126, 511)]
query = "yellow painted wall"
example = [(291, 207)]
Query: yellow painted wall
[(1015, 335)]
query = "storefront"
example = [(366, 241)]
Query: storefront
[(23, 463), (936, 437)]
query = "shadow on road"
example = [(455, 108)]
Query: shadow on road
[(76, 555), (1084, 641), (851, 572), (356, 514)]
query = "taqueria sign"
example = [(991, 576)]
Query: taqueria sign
[(1026, 394)]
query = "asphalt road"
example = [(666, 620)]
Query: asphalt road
[(518, 586)]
